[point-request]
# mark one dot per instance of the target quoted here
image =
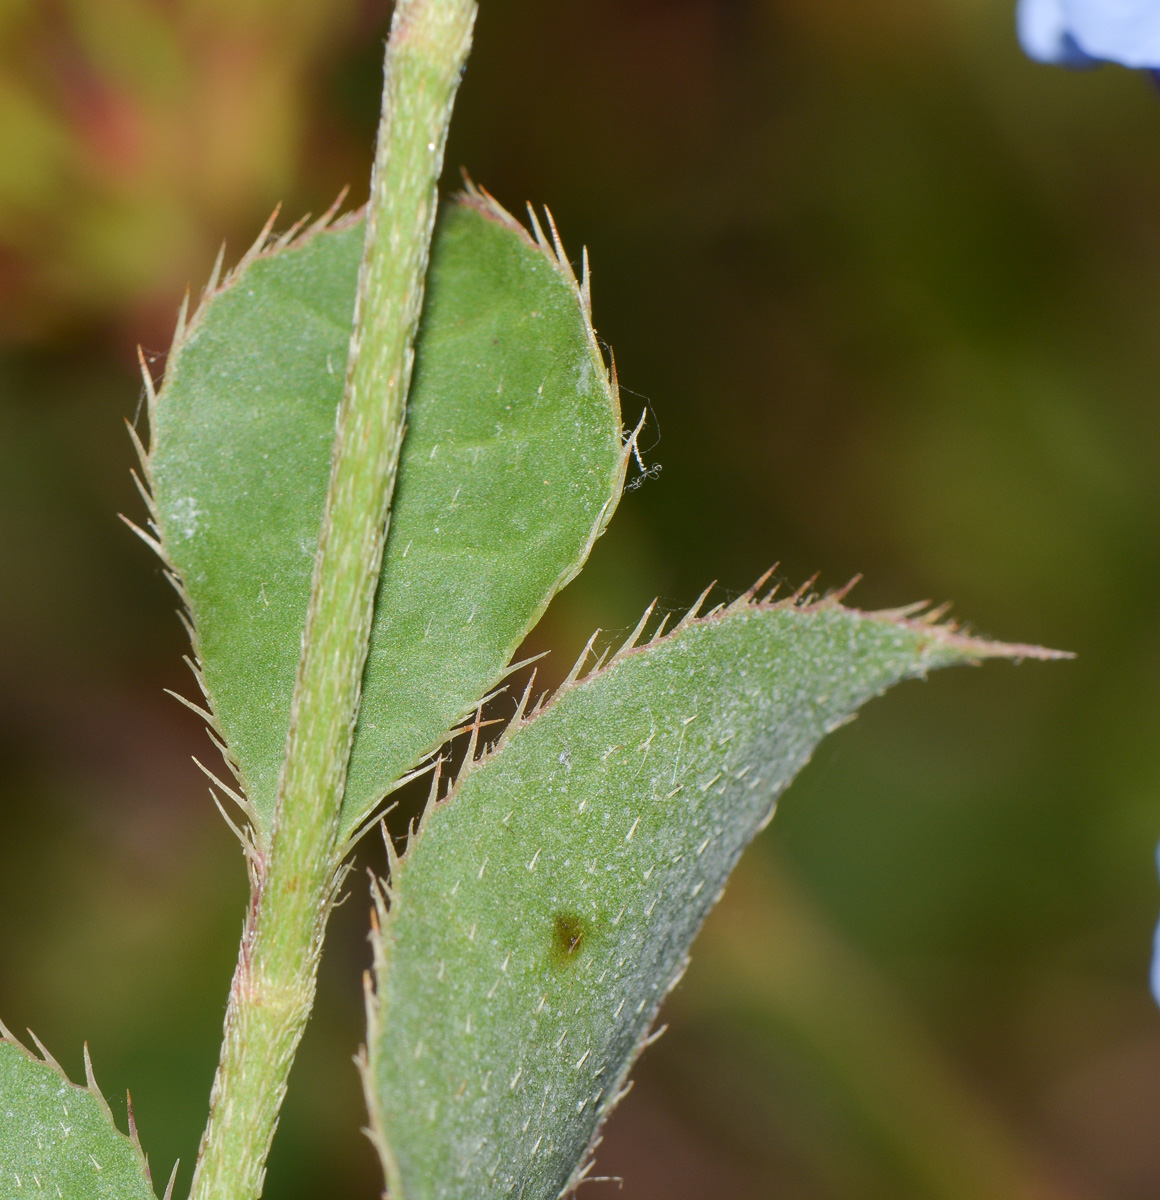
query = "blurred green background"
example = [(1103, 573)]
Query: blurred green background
[(892, 296)]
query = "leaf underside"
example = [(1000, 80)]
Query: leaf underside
[(511, 466), (57, 1140), (548, 905)]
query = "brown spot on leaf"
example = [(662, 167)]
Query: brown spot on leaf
[(568, 934)]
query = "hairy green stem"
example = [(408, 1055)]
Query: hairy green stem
[(295, 877)]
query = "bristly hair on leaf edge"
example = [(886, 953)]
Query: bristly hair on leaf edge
[(91, 1088)]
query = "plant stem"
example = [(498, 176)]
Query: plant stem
[(295, 881)]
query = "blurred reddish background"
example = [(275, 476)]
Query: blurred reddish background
[(892, 295)]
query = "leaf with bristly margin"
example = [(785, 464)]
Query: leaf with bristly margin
[(547, 906), (58, 1140), (512, 464)]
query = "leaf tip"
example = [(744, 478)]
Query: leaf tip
[(172, 1180)]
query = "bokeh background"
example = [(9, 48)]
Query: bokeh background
[(891, 295)]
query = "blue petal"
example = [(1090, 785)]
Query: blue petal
[(1156, 949), (1045, 33), (1156, 966), (1123, 31)]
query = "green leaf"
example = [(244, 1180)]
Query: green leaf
[(511, 467), (58, 1140), (548, 905)]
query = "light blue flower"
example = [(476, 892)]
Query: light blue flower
[(1083, 32), (1156, 949), (1156, 966)]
